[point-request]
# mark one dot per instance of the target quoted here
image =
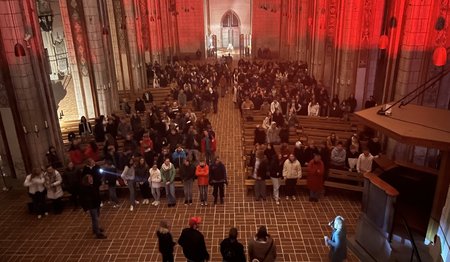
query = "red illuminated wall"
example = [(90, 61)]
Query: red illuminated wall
[(191, 26), (266, 19)]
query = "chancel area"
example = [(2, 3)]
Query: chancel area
[(224, 130)]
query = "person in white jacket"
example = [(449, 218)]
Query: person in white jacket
[(155, 182), (292, 171), (53, 181), (364, 162), (313, 108), (35, 183)]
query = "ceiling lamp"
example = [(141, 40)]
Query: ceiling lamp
[(440, 56), (383, 43)]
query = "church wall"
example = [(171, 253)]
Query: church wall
[(190, 27), (266, 19)]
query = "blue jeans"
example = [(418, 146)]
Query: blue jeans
[(95, 213), (170, 193), (113, 194), (188, 189), (130, 184)]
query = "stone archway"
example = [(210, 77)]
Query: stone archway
[(230, 30)]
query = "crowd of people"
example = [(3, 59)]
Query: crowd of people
[(163, 144), (283, 91)]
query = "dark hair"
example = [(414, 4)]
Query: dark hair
[(339, 143), (262, 233), (233, 233)]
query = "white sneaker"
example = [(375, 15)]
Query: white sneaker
[(202, 204), (137, 202), (115, 206), (277, 202), (39, 216), (287, 198), (156, 203), (131, 208), (153, 203), (101, 204), (294, 198)]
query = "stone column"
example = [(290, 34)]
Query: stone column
[(134, 53), (98, 44), (79, 58), (36, 123), (347, 47)]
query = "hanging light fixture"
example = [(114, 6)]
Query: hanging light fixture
[(19, 50), (440, 56), (383, 42)]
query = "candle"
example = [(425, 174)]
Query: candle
[(46, 124), (25, 130)]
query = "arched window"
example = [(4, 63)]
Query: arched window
[(230, 19)]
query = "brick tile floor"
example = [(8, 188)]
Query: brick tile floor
[(297, 226)]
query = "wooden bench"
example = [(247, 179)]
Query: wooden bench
[(340, 179), (250, 183), (343, 179)]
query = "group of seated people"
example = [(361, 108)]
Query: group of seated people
[(268, 161), (284, 89)]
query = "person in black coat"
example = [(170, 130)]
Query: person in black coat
[(218, 178), (99, 129), (260, 136), (165, 242), (90, 201), (231, 249), (193, 242), (187, 175), (72, 181), (139, 105)]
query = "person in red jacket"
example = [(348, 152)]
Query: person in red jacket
[(316, 170), (75, 154), (208, 146), (92, 151), (202, 173), (146, 144)]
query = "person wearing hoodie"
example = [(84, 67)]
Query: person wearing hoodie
[(165, 242), (167, 178), (292, 171), (155, 182), (218, 178), (193, 242), (187, 175), (178, 156), (202, 173), (35, 183), (262, 247), (53, 181), (276, 173), (128, 175), (231, 249)]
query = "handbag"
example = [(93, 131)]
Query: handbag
[(265, 256)]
